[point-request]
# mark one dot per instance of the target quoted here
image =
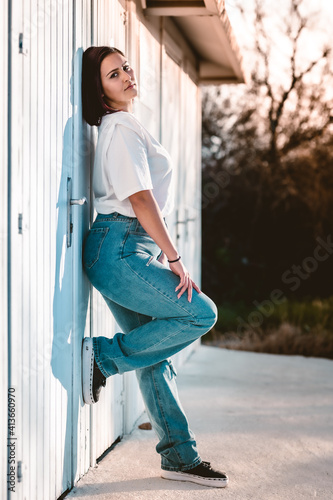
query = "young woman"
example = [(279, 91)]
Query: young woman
[(131, 259)]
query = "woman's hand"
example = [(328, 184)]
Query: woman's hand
[(186, 283), (149, 215)]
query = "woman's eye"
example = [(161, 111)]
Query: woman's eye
[(127, 67), (113, 75)]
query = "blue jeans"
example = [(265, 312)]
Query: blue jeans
[(120, 259)]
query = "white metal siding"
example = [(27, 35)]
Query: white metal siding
[(145, 51), (17, 346), (42, 306), (181, 137), (189, 182), (3, 248), (83, 140), (110, 28), (52, 309), (147, 106)]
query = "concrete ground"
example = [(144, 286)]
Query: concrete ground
[(266, 420)]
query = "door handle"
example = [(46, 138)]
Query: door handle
[(80, 201), (70, 203)]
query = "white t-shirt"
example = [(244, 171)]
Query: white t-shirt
[(127, 160)]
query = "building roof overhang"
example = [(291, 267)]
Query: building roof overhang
[(205, 25)]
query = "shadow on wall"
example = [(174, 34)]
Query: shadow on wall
[(70, 294)]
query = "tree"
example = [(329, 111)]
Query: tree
[(267, 166)]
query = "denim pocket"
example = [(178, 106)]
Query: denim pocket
[(93, 245), (136, 228)]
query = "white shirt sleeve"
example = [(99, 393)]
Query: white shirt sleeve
[(128, 168)]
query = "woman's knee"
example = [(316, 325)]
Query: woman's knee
[(207, 316)]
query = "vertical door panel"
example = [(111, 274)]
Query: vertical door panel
[(18, 343), (147, 106), (3, 246), (171, 121), (190, 178), (83, 144), (61, 265), (42, 159), (107, 417), (53, 348), (171, 140), (180, 137), (145, 58)]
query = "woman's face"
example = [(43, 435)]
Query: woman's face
[(118, 82)]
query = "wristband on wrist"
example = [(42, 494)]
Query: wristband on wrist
[(176, 260)]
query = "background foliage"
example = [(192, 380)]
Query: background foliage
[(268, 173)]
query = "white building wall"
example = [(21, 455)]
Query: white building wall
[(3, 249), (110, 28), (15, 257), (181, 135), (81, 158), (144, 53), (53, 307), (42, 288)]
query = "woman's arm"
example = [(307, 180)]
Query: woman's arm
[(149, 215), (163, 259), (148, 212)]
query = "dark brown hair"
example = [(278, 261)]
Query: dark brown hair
[(93, 105)]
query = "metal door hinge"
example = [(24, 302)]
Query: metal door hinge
[(19, 223), (121, 399), (124, 16), (22, 50), (19, 471)]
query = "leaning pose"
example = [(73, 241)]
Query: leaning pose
[(130, 258)]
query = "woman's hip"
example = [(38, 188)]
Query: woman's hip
[(120, 259), (111, 239)]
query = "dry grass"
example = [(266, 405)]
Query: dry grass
[(285, 339)]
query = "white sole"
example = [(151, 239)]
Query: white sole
[(87, 370), (183, 476)]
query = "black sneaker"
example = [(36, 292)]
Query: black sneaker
[(92, 378), (201, 474)]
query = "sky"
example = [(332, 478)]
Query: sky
[(320, 13)]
